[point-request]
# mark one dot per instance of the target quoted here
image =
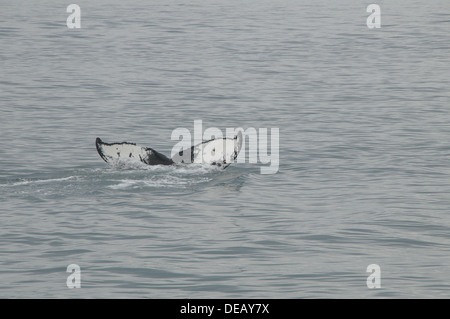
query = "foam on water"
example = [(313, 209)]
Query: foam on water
[(125, 175), (173, 176), (169, 181), (37, 181)]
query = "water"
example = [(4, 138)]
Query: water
[(364, 173)]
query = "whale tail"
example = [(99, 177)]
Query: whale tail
[(221, 152)]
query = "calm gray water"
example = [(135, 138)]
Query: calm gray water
[(364, 175)]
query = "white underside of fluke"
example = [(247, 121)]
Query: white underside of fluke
[(219, 151), (125, 151)]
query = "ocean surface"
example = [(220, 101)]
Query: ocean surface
[(364, 149)]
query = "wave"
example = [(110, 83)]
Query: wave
[(37, 181)]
